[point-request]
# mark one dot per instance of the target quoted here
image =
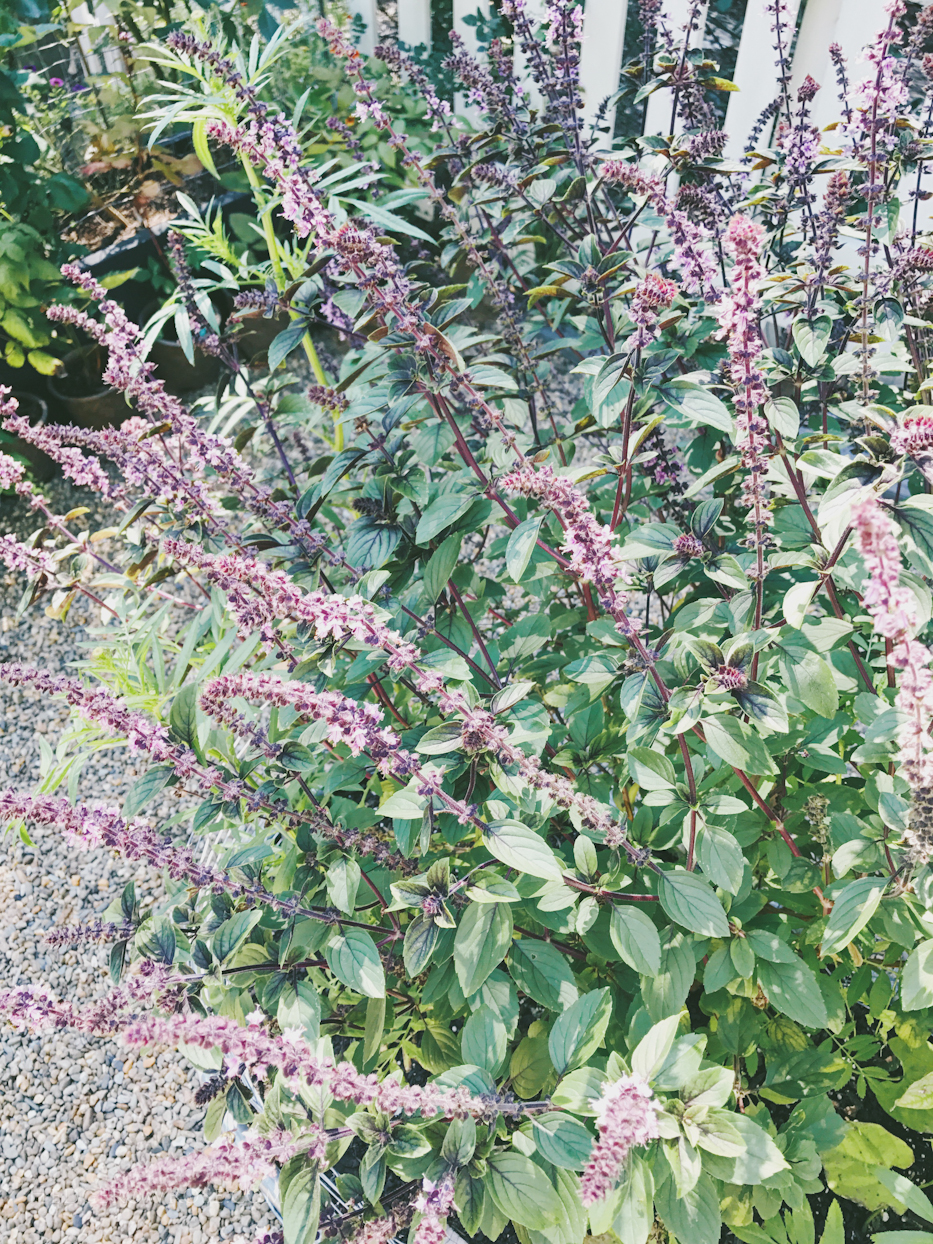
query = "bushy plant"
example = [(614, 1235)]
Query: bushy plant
[(34, 195), (554, 754)]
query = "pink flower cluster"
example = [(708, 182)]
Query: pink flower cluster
[(348, 721), (95, 931), (260, 598), (651, 295), (882, 97), (588, 543), (252, 1048), (738, 318), (376, 1230), (626, 1116), (434, 1203), (232, 1161), (85, 472), (693, 250), (149, 985), (177, 466), (914, 433), (894, 616), (11, 471), (142, 735), (95, 825)]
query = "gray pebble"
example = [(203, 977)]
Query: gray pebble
[(61, 1133)]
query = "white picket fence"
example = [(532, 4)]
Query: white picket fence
[(850, 23)]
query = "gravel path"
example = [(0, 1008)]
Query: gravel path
[(74, 1109)]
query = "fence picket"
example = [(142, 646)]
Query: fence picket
[(601, 54), (658, 112), (756, 73), (414, 22), (366, 9)]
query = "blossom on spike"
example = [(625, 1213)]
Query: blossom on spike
[(232, 1161), (434, 1203), (894, 615), (626, 1116)]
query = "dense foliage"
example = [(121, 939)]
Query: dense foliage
[(542, 691)]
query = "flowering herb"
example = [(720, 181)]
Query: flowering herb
[(544, 692)]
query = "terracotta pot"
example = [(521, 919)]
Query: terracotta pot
[(105, 408), (36, 411)]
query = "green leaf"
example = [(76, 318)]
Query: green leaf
[(636, 939), (918, 1095), (610, 381), (388, 220), (343, 880), (155, 939), (300, 1190), (721, 858), (812, 338), (791, 988), (183, 717), (693, 1216), (530, 1067), (300, 1007), (809, 678), (651, 770), (492, 889), (761, 703), (522, 1191), (285, 342), (700, 406), (445, 510), (562, 1140), (782, 414), (726, 467), (146, 788), (849, 1166), (420, 939), (372, 1172), (404, 805), (440, 567), (521, 848), (520, 547), (690, 902), (738, 745), (851, 911), (371, 542), (635, 1213), (441, 739), (917, 979), (233, 932), (459, 1142), (374, 1029), (834, 1231), (652, 1050), (906, 1192), (200, 144), (484, 1041), (541, 971), (353, 958), (579, 1031), (483, 937), (468, 1201)]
